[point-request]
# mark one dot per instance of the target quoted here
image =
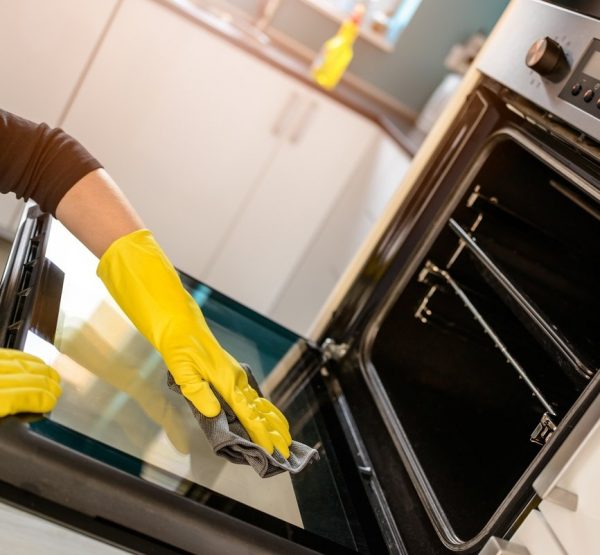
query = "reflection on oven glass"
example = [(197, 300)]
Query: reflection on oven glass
[(115, 392)]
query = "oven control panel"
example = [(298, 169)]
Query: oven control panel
[(582, 89), (550, 56)]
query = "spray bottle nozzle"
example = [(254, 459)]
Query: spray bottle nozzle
[(357, 14)]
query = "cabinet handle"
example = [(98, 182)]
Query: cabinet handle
[(284, 115), (303, 122)]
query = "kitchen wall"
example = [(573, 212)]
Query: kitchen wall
[(414, 69)]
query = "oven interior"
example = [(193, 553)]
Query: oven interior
[(497, 332)]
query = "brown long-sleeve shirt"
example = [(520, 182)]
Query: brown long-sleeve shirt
[(39, 162)]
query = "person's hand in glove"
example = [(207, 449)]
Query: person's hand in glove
[(27, 384), (146, 286)]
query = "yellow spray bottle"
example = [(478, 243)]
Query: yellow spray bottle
[(336, 53)]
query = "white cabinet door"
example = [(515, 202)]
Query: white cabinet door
[(378, 175), (322, 148), (185, 123), (44, 48)]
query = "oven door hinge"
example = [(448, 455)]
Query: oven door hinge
[(330, 350), (544, 430)]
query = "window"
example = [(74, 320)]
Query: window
[(383, 22)]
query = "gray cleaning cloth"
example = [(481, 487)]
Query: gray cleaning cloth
[(229, 439)]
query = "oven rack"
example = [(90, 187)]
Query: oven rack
[(547, 334), (484, 205), (540, 239), (458, 290), (546, 426)]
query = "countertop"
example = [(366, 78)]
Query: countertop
[(397, 125)]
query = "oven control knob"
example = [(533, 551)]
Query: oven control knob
[(546, 57)]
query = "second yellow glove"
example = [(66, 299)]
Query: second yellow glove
[(27, 384)]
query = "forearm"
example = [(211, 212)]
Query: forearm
[(96, 212), (56, 171)]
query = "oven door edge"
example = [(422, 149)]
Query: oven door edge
[(97, 490)]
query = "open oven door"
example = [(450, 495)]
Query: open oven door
[(122, 458)]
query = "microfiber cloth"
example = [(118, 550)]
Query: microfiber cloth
[(229, 439)]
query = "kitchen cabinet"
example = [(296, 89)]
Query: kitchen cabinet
[(320, 154), (233, 164), (44, 49), (185, 122), (378, 174)]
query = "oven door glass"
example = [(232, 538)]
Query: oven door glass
[(116, 406)]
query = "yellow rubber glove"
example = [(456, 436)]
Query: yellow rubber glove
[(27, 384), (141, 279)]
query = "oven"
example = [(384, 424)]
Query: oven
[(465, 337), (455, 363)]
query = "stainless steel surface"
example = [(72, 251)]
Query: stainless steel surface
[(525, 22), (537, 116)]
